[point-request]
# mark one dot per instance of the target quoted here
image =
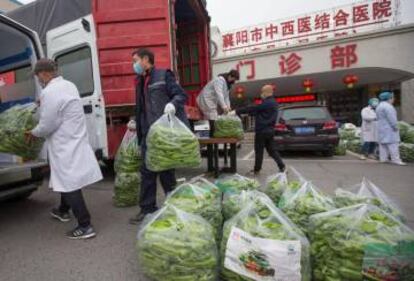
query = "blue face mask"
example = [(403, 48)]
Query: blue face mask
[(138, 68)]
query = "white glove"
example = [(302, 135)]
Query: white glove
[(131, 125), (169, 109), (232, 113)]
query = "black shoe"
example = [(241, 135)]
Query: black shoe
[(283, 169), (138, 218), (63, 217), (81, 233), (253, 173)]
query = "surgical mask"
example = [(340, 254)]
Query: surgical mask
[(138, 68)]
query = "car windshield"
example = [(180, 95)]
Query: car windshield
[(305, 113)]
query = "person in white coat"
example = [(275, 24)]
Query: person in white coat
[(215, 95), (388, 133), (73, 164), (369, 129)]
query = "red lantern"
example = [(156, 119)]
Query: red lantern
[(307, 84), (350, 80), (239, 92)]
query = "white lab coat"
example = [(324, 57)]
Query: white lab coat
[(369, 125), (62, 123), (214, 94)]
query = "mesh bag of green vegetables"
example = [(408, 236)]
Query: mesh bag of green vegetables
[(407, 152), (177, 246), (261, 243), (170, 145), (307, 201), (295, 181), (128, 157), (367, 192), (234, 202), (14, 122), (275, 186), (361, 242), (201, 198), (227, 126), (236, 183)]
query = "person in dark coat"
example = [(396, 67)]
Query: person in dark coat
[(157, 92), (265, 118)]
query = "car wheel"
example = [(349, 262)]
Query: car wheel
[(328, 153)]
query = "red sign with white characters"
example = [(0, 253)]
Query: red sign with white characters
[(337, 22)]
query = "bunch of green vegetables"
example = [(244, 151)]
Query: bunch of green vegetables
[(128, 157), (235, 202), (261, 219), (354, 145), (14, 122), (171, 145), (409, 136), (307, 201), (295, 182), (227, 126), (200, 198), (236, 183), (403, 127), (127, 188), (340, 149), (341, 238), (275, 186), (407, 152), (177, 246), (367, 192)]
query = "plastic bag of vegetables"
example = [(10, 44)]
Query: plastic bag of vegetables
[(227, 126), (307, 201), (361, 242), (127, 189), (170, 145), (14, 122), (409, 136), (257, 241), (177, 246), (275, 186), (367, 192), (340, 149), (403, 127), (234, 202), (200, 198), (295, 181), (128, 157), (407, 152), (236, 183)]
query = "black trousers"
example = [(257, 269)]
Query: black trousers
[(212, 124), (262, 141), (74, 200), (148, 193)]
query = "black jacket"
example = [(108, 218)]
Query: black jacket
[(265, 114)]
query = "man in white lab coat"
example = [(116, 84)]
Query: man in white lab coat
[(369, 129), (72, 161)]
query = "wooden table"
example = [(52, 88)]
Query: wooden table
[(213, 154)]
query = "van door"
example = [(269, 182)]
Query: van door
[(73, 47)]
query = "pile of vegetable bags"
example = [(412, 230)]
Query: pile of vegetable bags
[(275, 186), (367, 192), (350, 138), (307, 201), (261, 243), (170, 145), (227, 126), (407, 141), (127, 164), (236, 183), (407, 152), (234, 202), (177, 246), (295, 182), (361, 242), (14, 122), (200, 197)]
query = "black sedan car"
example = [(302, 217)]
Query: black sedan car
[(306, 127)]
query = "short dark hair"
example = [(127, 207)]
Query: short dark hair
[(235, 74), (145, 53), (45, 65)]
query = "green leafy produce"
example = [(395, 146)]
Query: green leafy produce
[(403, 128), (355, 145), (307, 201), (340, 149), (236, 183), (341, 240), (261, 219), (14, 122), (227, 126), (171, 145), (202, 198), (295, 181), (367, 192), (128, 157), (234, 202), (127, 188), (409, 136), (407, 152), (177, 246), (275, 186)]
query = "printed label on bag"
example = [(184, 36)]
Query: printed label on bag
[(263, 259)]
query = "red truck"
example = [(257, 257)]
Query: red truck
[(92, 42)]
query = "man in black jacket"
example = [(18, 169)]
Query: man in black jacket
[(265, 115)]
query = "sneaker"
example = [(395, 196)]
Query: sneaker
[(400, 163), (57, 214), (81, 233)]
